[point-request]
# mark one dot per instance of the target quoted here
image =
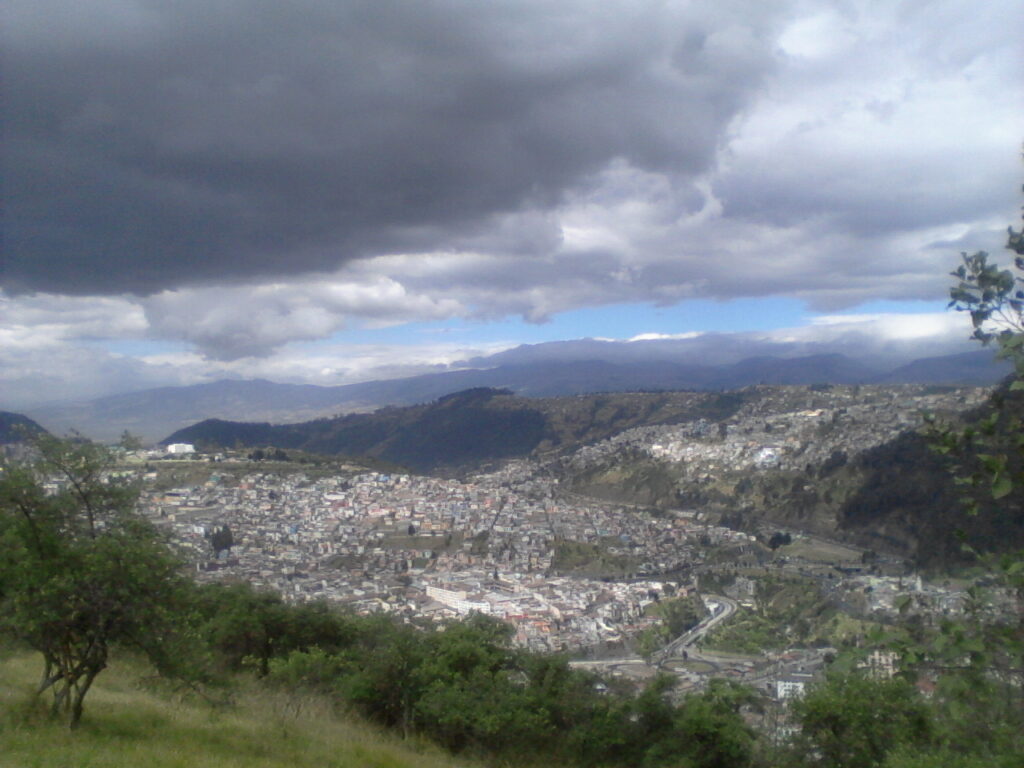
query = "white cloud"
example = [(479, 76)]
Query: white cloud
[(40, 320), (663, 336), (818, 36), (235, 322), (907, 326)]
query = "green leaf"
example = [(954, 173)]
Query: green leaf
[(993, 464), (1001, 487)]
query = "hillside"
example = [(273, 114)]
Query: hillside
[(14, 427), (468, 429), (131, 723), (847, 463)]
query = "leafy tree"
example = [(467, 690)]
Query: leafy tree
[(852, 721), (80, 570), (465, 687), (382, 678), (994, 298), (472, 693), (248, 628), (982, 660), (221, 539), (706, 731)]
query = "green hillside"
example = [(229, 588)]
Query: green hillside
[(131, 722)]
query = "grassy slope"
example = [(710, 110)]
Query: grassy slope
[(125, 726)]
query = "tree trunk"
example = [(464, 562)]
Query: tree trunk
[(70, 677), (78, 697)]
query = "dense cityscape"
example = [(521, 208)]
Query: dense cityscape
[(569, 573)]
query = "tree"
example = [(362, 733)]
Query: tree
[(852, 721), (994, 297), (221, 539), (80, 570), (989, 456), (979, 660), (248, 628), (706, 730)]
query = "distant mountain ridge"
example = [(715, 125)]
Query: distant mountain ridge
[(533, 371), (965, 369)]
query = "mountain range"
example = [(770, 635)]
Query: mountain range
[(542, 370)]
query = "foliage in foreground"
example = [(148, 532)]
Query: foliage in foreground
[(467, 689), (131, 723), (974, 663), (853, 720), (80, 570)]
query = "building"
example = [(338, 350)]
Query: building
[(792, 686), (881, 665), (458, 600)]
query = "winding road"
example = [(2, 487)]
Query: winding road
[(721, 609), (683, 646)]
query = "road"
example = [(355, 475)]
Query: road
[(721, 609)]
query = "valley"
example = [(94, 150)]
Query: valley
[(736, 502), (677, 545)]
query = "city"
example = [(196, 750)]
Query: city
[(570, 575)]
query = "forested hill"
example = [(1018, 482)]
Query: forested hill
[(470, 428), (14, 428)]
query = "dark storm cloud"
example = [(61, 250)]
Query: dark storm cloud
[(153, 145)]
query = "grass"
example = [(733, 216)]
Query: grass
[(587, 559), (817, 550), (747, 632), (125, 726), (842, 629), (790, 611)]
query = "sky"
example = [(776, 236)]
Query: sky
[(329, 191)]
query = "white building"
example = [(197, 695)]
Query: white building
[(181, 448), (458, 600), (791, 686)]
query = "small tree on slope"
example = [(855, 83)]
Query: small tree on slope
[(80, 570)]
